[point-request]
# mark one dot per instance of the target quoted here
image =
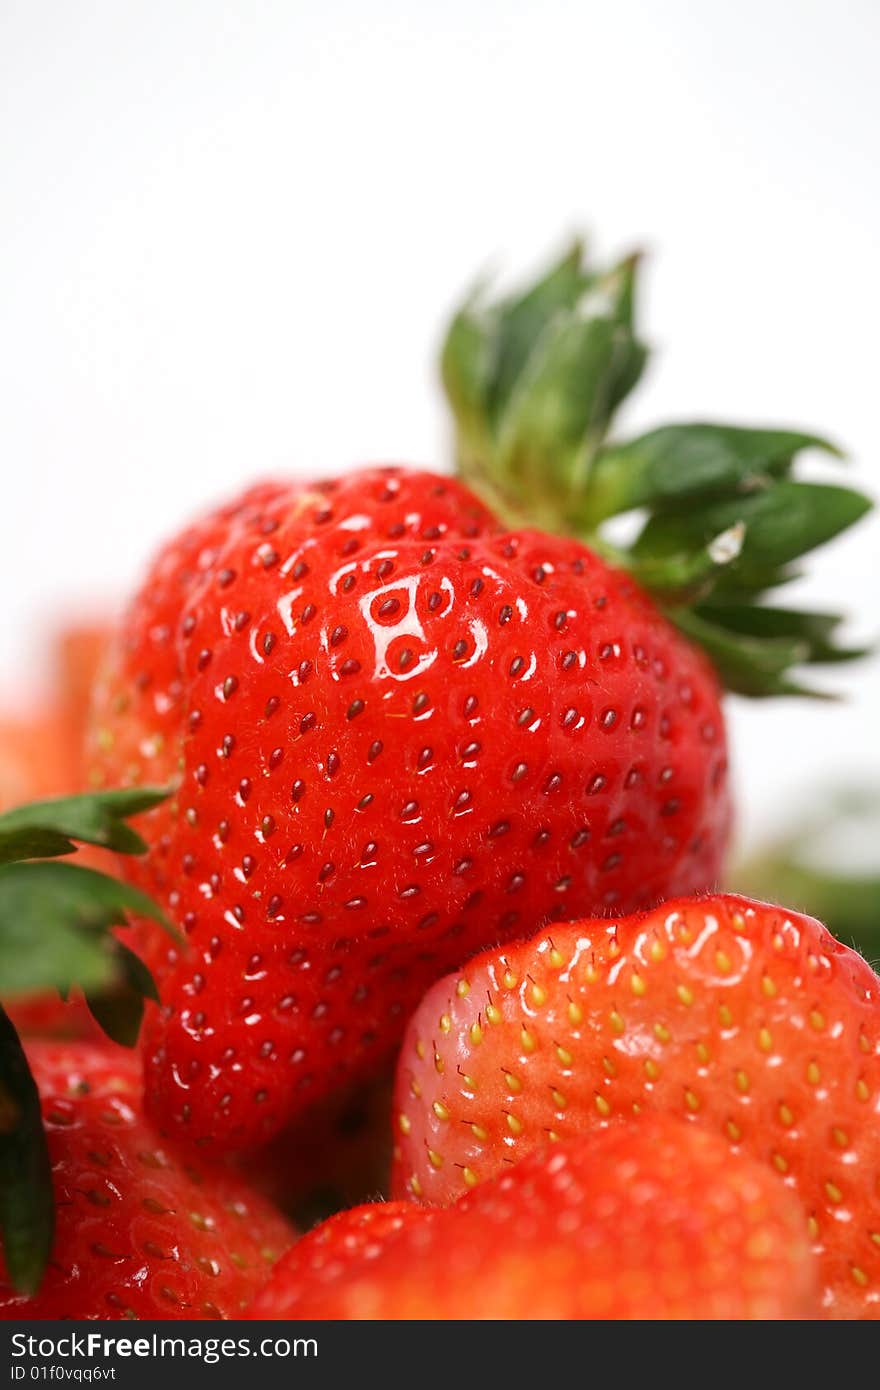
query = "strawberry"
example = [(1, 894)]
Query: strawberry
[(402, 732), (138, 1233), (651, 1219), (745, 1019), (401, 724)]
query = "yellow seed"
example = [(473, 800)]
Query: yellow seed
[(445, 1023), (439, 1064), (608, 1065), (840, 1137), (513, 1124), (742, 1081), (859, 1275), (420, 1049), (637, 985), (814, 1076), (440, 1110), (435, 1159), (765, 1039), (657, 950), (602, 1106), (734, 1131), (415, 1088), (479, 1133), (738, 921), (616, 1021), (552, 1136), (862, 1092), (703, 1053), (637, 1109), (405, 1124), (812, 1227), (469, 1176), (778, 942), (556, 958), (476, 1033), (652, 1071), (575, 1013), (864, 1044), (722, 962), (875, 1236), (768, 987), (684, 934), (661, 1032), (685, 995), (591, 974), (691, 1100), (613, 948), (539, 995), (415, 1186), (512, 1082), (509, 980), (462, 988), (469, 1082), (785, 1116), (780, 1164), (817, 1020), (833, 1192), (559, 1100), (564, 1055), (527, 1040), (493, 1013), (725, 1017)]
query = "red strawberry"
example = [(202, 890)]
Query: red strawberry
[(401, 733), (650, 1220), (137, 1233), (745, 1019)]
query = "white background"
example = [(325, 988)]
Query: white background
[(231, 231)]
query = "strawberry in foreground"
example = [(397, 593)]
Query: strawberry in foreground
[(402, 725), (747, 1020), (652, 1219), (138, 1232)]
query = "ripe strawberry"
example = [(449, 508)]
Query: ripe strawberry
[(138, 1234), (745, 1019), (399, 732), (652, 1219)]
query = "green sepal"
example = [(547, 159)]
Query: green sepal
[(27, 1208), (781, 523), (54, 926), (120, 1009), (684, 463), (47, 829), (746, 665)]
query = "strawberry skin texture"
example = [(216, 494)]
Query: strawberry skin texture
[(399, 733), (742, 1018), (650, 1219), (138, 1232)]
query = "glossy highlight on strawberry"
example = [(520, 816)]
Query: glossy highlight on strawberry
[(398, 732), (745, 1019)]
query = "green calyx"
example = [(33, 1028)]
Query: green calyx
[(56, 932), (534, 381)]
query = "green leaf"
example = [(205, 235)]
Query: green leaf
[(815, 631), (47, 829), (521, 321), (782, 522), (54, 919), (755, 666), (27, 1210), (119, 1010), (683, 462)]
